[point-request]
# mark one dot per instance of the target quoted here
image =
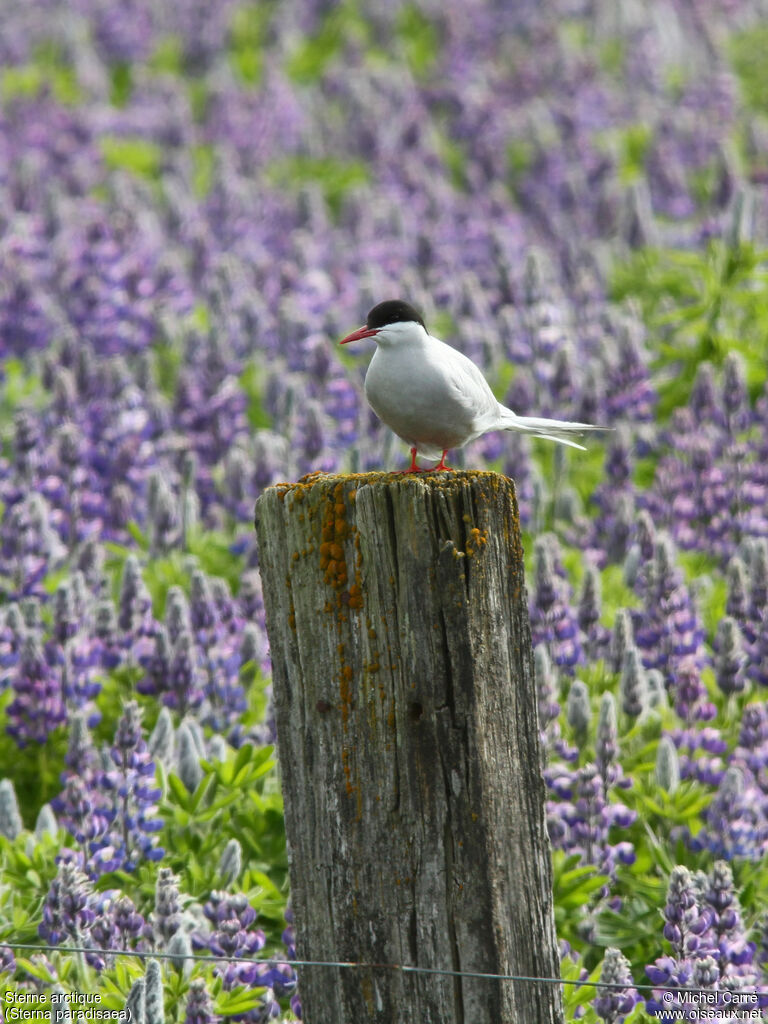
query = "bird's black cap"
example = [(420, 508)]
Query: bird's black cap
[(393, 311)]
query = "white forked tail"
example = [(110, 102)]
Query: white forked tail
[(562, 431)]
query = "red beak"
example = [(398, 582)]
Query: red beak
[(361, 332)]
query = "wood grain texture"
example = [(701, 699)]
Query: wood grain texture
[(409, 746)]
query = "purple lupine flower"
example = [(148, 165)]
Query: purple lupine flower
[(11, 636), (707, 769), (612, 528), (26, 445), (735, 821), (289, 934), (204, 617), (135, 604), (164, 515), (105, 633), (546, 688), (670, 635), (645, 536), (706, 973), (166, 917), (735, 400), (758, 581), (89, 560), (753, 733), (552, 620), (29, 545), (736, 602), (581, 820), (129, 923), (157, 665), (38, 707), (732, 950), (613, 1004), (233, 935), (622, 639), (199, 1006), (633, 686), (730, 659), (82, 807), (250, 599), (184, 682), (226, 607), (589, 612), (177, 614), (66, 913), (704, 401), (65, 615), (130, 788), (81, 757), (690, 693), (7, 960), (117, 925), (84, 813), (757, 669), (687, 922)]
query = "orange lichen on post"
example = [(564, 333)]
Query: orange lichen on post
[(334, 531), (477, 539)]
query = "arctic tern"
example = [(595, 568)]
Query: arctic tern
[(432, 396)]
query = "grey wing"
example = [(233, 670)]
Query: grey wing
[(471, 388)]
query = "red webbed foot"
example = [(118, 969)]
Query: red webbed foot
[(413, 468), (441, 466)]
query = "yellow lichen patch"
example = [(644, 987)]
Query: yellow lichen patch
[(477, 540), (334, 529)]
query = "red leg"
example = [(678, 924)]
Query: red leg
[(413, 468), (441, 464)]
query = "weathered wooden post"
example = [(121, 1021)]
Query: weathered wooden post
[(409, 747)]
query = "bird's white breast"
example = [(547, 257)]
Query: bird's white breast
[(429, 394)]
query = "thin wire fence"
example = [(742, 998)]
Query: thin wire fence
[(347, 964)]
